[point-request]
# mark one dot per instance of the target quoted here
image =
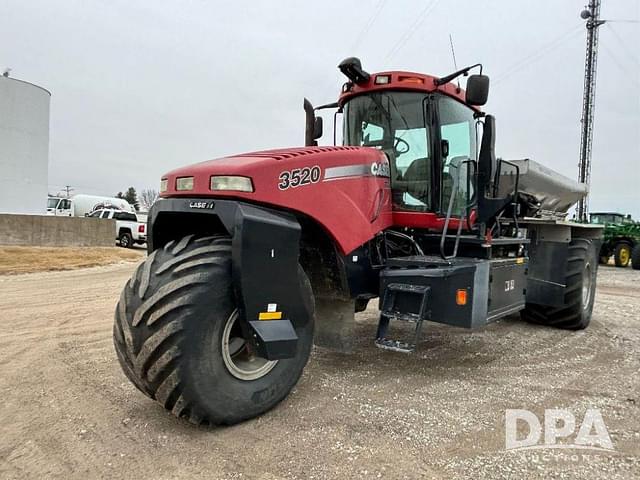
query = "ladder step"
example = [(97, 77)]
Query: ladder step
[(403, 317), (395, 346)]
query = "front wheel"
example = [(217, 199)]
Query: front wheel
[(178, 338)]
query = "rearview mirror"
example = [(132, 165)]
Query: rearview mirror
[(313, 125), (477, 90)]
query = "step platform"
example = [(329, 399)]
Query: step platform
[(463, 292)]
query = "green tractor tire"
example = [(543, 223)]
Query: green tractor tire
[(635, 257)]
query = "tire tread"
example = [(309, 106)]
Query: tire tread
[(569, 316)]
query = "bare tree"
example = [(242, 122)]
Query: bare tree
[(147, 197)]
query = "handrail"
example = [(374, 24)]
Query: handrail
[(456, 180), (515, 187)]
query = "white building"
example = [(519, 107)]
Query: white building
[(24, 146)]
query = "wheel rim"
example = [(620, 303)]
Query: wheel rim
[(238, 357), (586, 286), (624, 256), (124, 241)]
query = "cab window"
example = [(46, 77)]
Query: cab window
[(457, 128), (125, 216)]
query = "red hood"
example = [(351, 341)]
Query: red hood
[(345, 189), (265, 166)]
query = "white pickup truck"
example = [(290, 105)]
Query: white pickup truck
[(128, 229)]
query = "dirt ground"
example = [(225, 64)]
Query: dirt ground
[(42, 259), (67, 410)]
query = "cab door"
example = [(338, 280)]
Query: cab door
[(458, 152), (63, 209)]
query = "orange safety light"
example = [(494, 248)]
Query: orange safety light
[(410, 79), (461, 296)]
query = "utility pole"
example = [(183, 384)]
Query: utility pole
[(592, 16), (68, 189)]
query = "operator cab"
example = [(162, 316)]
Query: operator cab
[(428, 129), (421, 134)]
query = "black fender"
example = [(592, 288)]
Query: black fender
[(265, 251)]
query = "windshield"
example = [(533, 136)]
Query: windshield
[(396, 123), (399, 124), (52, 202), (603, 219)]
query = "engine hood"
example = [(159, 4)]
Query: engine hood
[(345, 189), (265, 167)]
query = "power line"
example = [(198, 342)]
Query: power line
[(369, 24), (412, 29), (538, 54), (359, 38), (620, 65), (623, 45)]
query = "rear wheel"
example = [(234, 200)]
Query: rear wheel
[(635, 257), (178, 338), (622, 254), (580, 291), (125, 239)]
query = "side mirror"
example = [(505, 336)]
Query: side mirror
[(477, 90), (313, 125)]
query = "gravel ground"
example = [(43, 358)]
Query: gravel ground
[(68, 411)]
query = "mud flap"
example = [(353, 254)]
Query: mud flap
[(266, 247), (265, 277)]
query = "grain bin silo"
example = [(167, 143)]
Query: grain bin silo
[(24, 146)]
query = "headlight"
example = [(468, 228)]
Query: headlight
[(184, 183), (164, 183), (237, 184)]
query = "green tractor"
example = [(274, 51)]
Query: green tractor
[(621, 238)]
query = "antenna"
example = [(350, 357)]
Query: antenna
[(453, 54)]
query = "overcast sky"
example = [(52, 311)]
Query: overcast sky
[(139, 88)]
